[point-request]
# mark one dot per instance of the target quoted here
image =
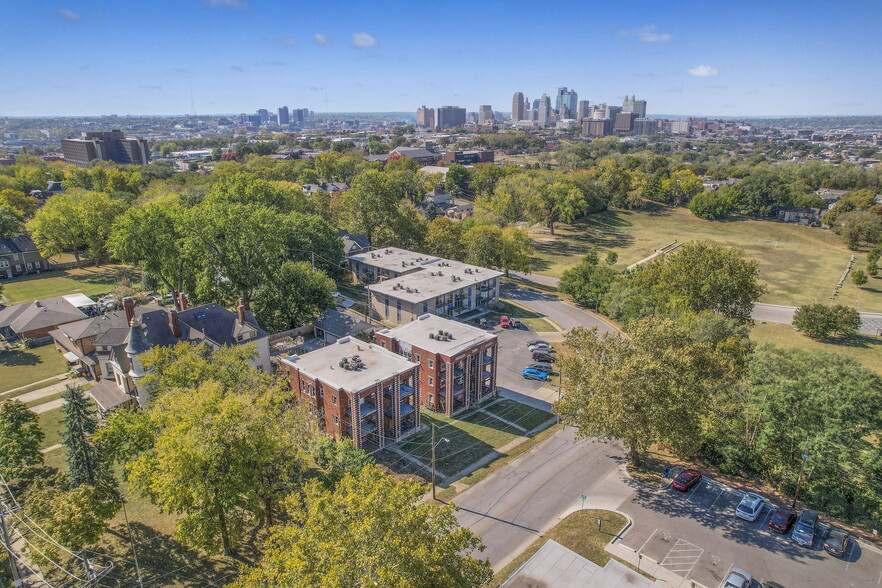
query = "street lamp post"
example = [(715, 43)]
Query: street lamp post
[(434, 445)]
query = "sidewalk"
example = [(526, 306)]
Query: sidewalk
[(48, 390), (26, 386)]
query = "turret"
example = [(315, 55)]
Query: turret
[(138, 344)]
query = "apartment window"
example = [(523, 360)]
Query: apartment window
[(383, 344), (4, 263), (431, 381), (333, 399), (418, 358), (431, 363), (431, 398), (425, 307), (336, 420)]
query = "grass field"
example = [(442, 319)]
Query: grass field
[(534, 320), (50, 424), (88, 280), (520, 414), (802, 267), (23, 367), (578, 532), (865, 349), (470, 439)]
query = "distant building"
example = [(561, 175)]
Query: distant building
[(517, 107), (597, 128), (284, 117), (544, 110), (583, 110), (681, 127), (450, 116), (485, 114), (457, 362), (422, 155), (426, 117), (566, 101), (645, 126), (469, 157), (34, 320), (625, 122), (19, 256), (358, 390), (633, 105), (105, 146), (263, 113), (810, 217)]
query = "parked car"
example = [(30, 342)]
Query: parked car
[(537, 342), (686, 480), (531, 374), (541, 347), (837, 542), (515, 323), (750, 507), (771, 584), (737, 578), (805, 528), (545, 368), (543, 356), (504, 322), (782, 520)]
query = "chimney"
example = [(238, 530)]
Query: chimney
[(174, 324), (129, 307), (184, 304), (241, 311)]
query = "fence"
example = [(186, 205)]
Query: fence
[(70, 264), (293, 333)]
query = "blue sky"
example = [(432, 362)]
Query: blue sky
[(776, 57)]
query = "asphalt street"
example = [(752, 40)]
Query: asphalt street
[(566, 315)]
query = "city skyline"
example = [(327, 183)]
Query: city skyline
[(797, 59)]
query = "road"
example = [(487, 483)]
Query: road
[(510, 508), (566, 315), (871, 322)]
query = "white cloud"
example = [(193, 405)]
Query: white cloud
[(363, 40), (647, 34), (703, 71), (320, 39), (69, 15), (226, 3), (288, 41)]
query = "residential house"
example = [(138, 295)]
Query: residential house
[(810, 217), (329, 187), (107, 347), (19, 256), (35, 320), (353, 244), (457, 361), (421, 155), (358, 390), (332, 325)]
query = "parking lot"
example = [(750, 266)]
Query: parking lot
[(513, 358), (696, 535)]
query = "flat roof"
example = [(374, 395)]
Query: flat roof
[(394, 259), (324, 364), (435, 279), (417, 333)]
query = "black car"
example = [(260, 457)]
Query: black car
[(805, 529), (543, 357), (545, 368), (836, 543), (782, 520)]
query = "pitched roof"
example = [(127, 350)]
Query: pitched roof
[(340, 324), (31, 316), (108, 395), (216, 323)]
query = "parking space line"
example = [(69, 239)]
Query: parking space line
[(694, 488), (647, 541), (715, 499)]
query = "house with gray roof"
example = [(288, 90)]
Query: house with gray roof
[(36, 319), (19, 256)]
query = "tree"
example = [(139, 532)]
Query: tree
[(612, 258), (715, 205), (152, 238), (558, 202), (858, 278), (369, 204), (588, 282), (338, 459), (21, 205), (444, 238), (20, 439), (294, 296), (10, 222), (483, 246), (657, 385), (512, 195), (616, 181), (682, 186), (85, 463), (653, 188), (819, 321), (457, 178), (371, 530), (702, 275), (763, 190), (872, 268), (859, 226), (517, 250)]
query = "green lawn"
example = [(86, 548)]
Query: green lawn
[(865, 349), (23, 367), (88, 280), (470, 439), (50, 423), (802, 268), (520, 414), (578, 532), (534, 320)]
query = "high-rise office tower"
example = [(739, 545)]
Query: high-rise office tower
[(426, 117), (517, 107), (284, 117), (624, 122), (583, 110), (263, 113), (485, 114), (645, 126), (566, 101), (450, 116), (544, 110), (633, 105)]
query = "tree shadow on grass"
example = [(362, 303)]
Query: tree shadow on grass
[(857, 342), (19, 358)]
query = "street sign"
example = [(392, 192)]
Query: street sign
[(584, 497)]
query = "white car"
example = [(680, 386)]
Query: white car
[(737, 578), (750, 507), (540, 347)]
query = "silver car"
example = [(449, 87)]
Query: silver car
[(737, 578)]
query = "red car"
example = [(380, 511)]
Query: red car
[(504, 322), (686, 480), (782, 520)]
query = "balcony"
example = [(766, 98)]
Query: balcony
[(487, 359), (405, 390), (486, 375), (458, 390), (367, 409), (368, 427), (405, 409), (458, 372)]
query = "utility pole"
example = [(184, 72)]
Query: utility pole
[(7, 542), (559, 392), (801, 471), (445, 440)]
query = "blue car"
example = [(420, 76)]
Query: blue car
[(532, 374), (805, 529)]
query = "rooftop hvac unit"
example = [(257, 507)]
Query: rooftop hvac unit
[(431, 335)]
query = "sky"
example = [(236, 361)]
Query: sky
[(701, 57)]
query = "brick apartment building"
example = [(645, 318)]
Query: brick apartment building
[(457, 362), (358, 390)]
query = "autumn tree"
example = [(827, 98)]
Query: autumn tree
[(370, 530), (656, 385), (294, 296), (682, 186), (20, 439), (444, 238)]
